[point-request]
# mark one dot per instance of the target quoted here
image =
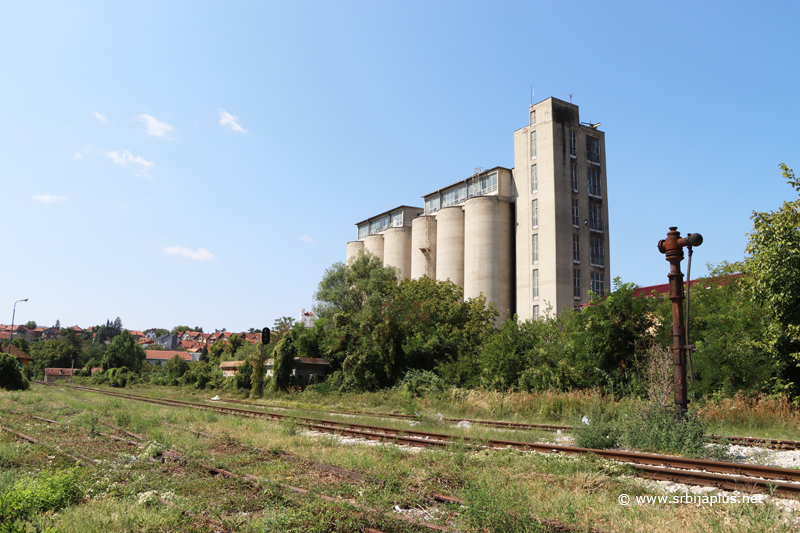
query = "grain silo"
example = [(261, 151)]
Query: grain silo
[(423, 247), (450, 245), (488, 252), (374, 245), (397, 249), (354, 248)]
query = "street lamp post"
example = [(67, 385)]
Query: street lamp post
[(13, 315)]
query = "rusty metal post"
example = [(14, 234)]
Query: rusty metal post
[(672, 246)]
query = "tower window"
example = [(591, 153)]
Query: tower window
[(598, 283), (535, 247), (573, 144), (534, 179), (573, 172), (593, 179), (576, 248), (363, 231), (596, 252), (536, 312), (535, 284), (593, 149), (533, 144), (595, 216), (533, 118), (535, 213), (576, 219), (576, 283)]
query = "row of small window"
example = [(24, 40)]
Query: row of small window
[(592, 179), (596, 250), (459, 194), (597, 279), (598, 283), (395, 220), (592, 146)]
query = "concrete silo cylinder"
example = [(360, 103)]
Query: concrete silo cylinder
[(487, 251), (353, 249), (423, 247), (374, 245), (450, 245), (397, 249)]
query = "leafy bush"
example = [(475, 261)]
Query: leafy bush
[(203, 376), (421, 383), (11, 377), (31, 495), (598, 429), (659, 429), (118, 377)]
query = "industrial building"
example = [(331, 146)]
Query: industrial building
[(529, 238)]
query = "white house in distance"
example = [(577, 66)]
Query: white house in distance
[(307, 318)]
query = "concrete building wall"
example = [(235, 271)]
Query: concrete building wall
[(562, 183), (488, 250), (354, 248), (397, 249), (374, 245), (450, 245), (423, 247)]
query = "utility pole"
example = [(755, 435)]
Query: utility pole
[(672, 246)]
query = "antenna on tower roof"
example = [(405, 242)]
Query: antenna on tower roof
[(531, 94)]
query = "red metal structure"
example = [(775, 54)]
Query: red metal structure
[(673, 246)]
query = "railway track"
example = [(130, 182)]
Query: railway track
[(718, 474), (775, 444)]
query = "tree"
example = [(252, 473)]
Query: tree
[(53, 354), (124, 352), (283, 361), (11, 377), (280, 327), (772, 265), (176, 367), (30, 324), (772, 272), (58, 324), (180, 329), (349, 288)]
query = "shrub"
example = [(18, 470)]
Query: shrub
[(659, 429), (597, 429), (421, 382), (11, 377)]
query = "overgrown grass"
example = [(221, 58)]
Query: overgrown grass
[(504, 490)]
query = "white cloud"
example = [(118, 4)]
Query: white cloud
[(78, 155), (226, 119), (307, 239), (98, 116), (48, 198), (154, 127), (200, 255), (138, 165)]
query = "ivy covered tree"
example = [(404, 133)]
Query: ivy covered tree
[(11, 377), (124, 352)]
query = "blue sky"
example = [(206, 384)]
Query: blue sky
[(203, 163)]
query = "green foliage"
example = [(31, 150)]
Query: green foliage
[(598, 429), (244, 375), (19, 342), (283, 360), (730, 333), (53, 354), (124, 352), (11, 377), (30, 324), (659, 429), (117, 377), (203, 376), (30, 495), (280, 327), (176, 367), (772, 273), (417, 383)]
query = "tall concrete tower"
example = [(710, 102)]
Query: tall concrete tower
[(561, 229)]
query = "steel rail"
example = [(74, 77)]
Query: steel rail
[(765, 479)]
